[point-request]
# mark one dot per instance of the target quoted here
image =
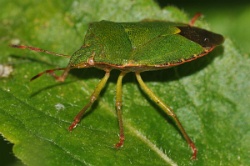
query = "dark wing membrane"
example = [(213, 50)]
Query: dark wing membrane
[(201, 36)]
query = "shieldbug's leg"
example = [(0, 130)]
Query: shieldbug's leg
[(196, 16), (93, 98), (52, 73), (168, 111), (119, 109)]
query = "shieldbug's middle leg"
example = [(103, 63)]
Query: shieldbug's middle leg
[(119, 109)]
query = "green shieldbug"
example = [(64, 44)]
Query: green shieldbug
[(136, 47)]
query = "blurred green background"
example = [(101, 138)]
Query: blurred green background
[(230, 18)]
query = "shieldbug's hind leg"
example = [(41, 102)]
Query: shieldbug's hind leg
[(193, 20), (93, 98), (168, 111), (119, 109)]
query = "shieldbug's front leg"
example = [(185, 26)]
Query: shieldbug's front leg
[(119, 109), (52, 73), (93, 98), (168, 111)]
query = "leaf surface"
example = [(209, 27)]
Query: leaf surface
[(210, 95)]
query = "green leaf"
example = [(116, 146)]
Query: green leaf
[(210, 95)]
